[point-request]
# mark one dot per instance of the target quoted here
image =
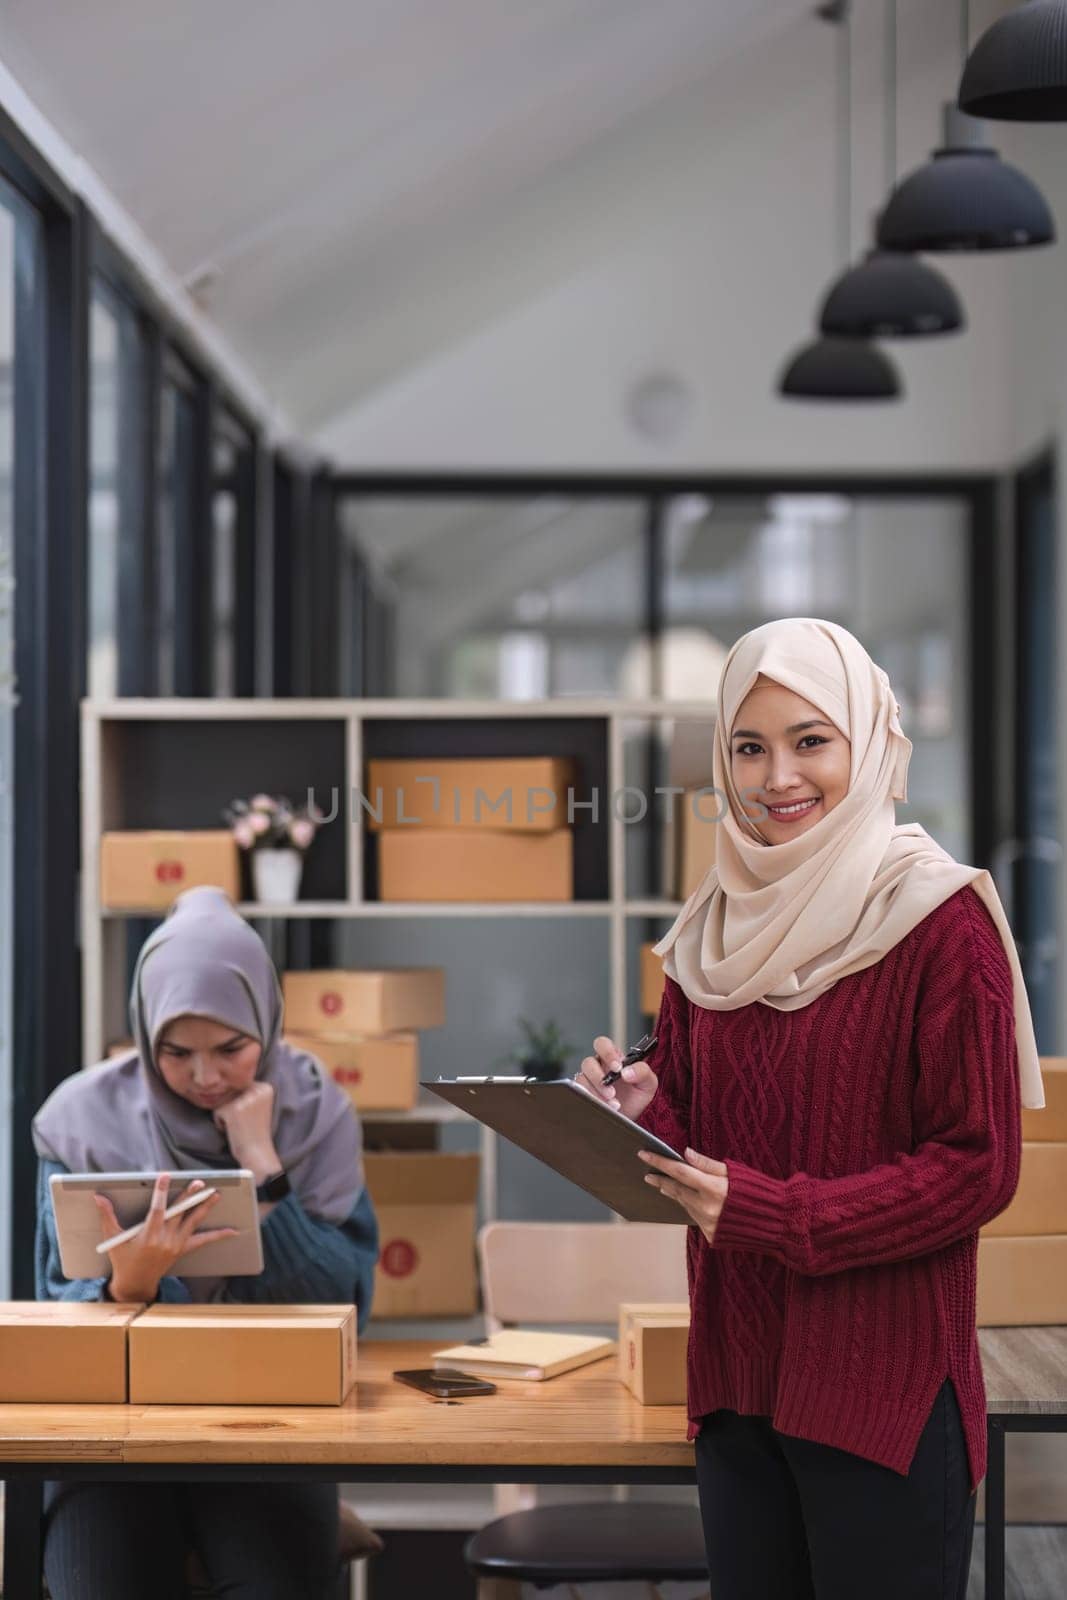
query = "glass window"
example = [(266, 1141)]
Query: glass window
[(103, 597), (176, 527), (892, 571), (233, 573), (117, 399), (509, 598), (21, 435)]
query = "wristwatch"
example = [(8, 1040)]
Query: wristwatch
[(276, 1187)]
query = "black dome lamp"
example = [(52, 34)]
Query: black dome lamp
[(891, 295), (965, 198), (835, 368), (840, 369), (1017, 72)]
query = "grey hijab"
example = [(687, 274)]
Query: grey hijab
[(204, 960)]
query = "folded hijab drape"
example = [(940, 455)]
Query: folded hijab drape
[(780, 923), (204, 960)]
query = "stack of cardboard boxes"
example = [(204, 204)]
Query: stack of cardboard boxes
[(472, 829), (361, 1025), (1022, 1253)]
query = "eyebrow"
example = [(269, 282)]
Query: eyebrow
[(176, 1046), (797, 727)]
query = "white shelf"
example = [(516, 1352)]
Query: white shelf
[(346, 909), (428, 1108), (105, 743)]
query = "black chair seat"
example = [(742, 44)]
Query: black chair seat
[(584, 1542)]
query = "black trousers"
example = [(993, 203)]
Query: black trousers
[(795, 1520), (256, 1541)]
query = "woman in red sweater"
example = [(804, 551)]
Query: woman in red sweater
[(844, 1043)]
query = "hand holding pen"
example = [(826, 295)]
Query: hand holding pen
[(625, 1082)]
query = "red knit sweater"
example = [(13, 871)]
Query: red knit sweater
[(867, 1137)]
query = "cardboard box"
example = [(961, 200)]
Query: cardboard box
[(453, 864), (1039, 1204), (524, 794), (120, 1047), (364, 1000), (696, 833), (64, 1352), (1022, 1281), (1051, 1121), (653, 1342), (377, 1074), (243, 1355), (651, 981), (426, 1206), (147, 870)]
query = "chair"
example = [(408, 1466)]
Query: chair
[(558, 1273)]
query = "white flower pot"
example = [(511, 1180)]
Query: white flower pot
[(276, 876)]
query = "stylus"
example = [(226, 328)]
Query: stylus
[(185, 1204)]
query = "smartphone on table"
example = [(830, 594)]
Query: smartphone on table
[(446, 1383)]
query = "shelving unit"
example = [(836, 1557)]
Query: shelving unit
[(174, 763)]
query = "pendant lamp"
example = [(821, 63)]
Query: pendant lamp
[(841, 368), (891, 295), (965, 198), (1017, 72)]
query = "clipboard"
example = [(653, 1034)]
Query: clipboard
[(575, 1134)]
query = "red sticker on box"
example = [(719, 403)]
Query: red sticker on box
[(170, 872), (399, 1258), (331, 1003), (351, 1075)]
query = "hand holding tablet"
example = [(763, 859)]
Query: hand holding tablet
[(142, 1256)]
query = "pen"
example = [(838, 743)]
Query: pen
[(636, 1052), (185, 1204)]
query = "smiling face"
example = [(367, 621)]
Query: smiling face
[(206, 1062), (782, 763)]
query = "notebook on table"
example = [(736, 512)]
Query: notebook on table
[(514, 1353)]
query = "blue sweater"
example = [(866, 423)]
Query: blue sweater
[(305, 1261)]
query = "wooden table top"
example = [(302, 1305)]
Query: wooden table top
[(585, 1418)]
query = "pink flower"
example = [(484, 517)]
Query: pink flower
[(261, 802), (244, 834), (301, 832), (259, 823)]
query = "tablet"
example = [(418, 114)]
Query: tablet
[(576, 1134), (79, 1228)]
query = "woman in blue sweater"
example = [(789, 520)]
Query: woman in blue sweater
[(210, 1084)]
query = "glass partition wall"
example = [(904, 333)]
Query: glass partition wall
[(529, 597)]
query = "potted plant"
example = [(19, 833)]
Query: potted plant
[(276, 834), (543, 1054)]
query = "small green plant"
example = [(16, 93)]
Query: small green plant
[(543, 1053)]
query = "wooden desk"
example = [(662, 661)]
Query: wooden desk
[(581, 1428)]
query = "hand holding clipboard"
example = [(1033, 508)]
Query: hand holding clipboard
[(636, 1082), (700, 1186)]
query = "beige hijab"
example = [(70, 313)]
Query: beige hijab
[(780, 923)]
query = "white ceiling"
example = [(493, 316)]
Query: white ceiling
[(346, 165)]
